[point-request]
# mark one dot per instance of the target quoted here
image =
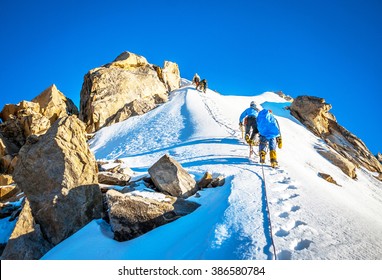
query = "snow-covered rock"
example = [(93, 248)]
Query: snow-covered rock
[(171, 178)]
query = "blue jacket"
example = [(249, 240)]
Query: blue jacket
[(248, 112), (267, 124)]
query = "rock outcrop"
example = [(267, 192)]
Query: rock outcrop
[(171, 178), (284, 96), (171, 75), (341, 162), (58, 174), (314, 113), (125, 87), (379, 157), (22, 120), (29, 118), (54, 104), (136, 213)]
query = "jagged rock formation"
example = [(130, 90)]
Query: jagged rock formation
[(54, 104), (29, 118), (171, 178), (126, 87), (134, 214), (58, 174), (313, 112), (284, 96), (22, 120)]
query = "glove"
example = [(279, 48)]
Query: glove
[(240, 124), (279, 142)]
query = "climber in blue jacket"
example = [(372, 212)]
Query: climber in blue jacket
[(250, 115), (269, 131)]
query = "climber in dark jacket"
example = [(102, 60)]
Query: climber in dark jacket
[(250, 115), (196, 80), (202, 85)]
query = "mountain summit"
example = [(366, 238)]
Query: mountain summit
[(167, 175), (309, 217)]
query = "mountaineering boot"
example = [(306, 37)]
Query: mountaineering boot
[(262, 156), (273, 156), (247, 138)]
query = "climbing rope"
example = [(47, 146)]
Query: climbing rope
[(229, 129), (233, 132), (268, 214)]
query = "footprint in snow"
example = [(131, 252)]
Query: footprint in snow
[(285, 180), (284, 215), (294, 195), (285, 232), (295, 208), (302, 244), (284, 255), (282, 233)]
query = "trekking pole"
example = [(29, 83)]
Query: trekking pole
[(242, 131)]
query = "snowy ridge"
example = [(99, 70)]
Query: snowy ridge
[(309, 217)]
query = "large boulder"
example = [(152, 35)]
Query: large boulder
[(108, 93), (27, 241), (54, 105), (58, 174), (171, 178), (136, 213), (314, 113)]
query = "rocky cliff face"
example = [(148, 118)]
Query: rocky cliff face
[(126, 87), (314, 113)]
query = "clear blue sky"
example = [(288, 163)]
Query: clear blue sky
[(327, 48)]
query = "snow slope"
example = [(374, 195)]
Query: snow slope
[(309, 218)]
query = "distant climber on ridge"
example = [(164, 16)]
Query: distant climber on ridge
[(269, 131), (202, 85), (196, 80), (249, 117)]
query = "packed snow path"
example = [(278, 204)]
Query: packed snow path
[(310, 218)]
